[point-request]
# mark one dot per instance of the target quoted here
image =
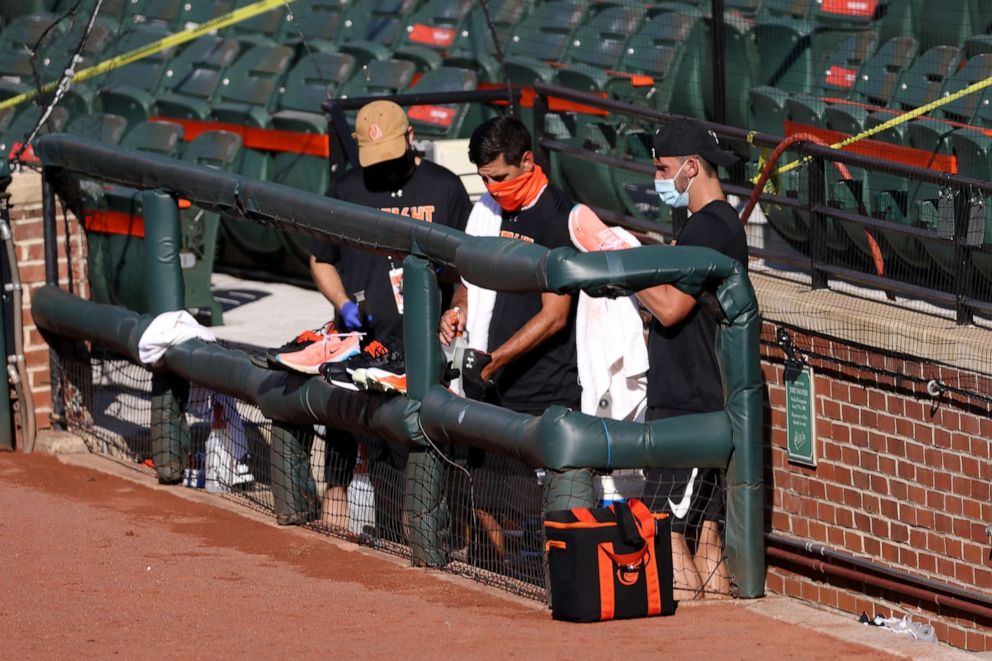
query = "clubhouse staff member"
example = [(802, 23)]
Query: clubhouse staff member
[(394, 179), (531, 336), (684, 376)]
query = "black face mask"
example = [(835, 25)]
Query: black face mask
[(390, 175)]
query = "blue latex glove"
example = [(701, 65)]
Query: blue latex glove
[(349, 315)]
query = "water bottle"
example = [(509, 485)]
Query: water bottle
[(453, 354)]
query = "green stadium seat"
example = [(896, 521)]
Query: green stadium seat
[(23, 32), (806, 109), (945, 23), (597, 47), (194, 77), (431, 30), (635, 190), (378, 78), (656, 52), (197, 13), (783, 44), (473, 46), (768, 109), (901, 19), (158, 137), (448, 120), (542, 38), (587, 181), (11, 10), (318, 22), (250, 86), (846, 119), (314, 79), (696, 72), (164, 13), (976, 69), (101, 126), (974, 154), (876, 80), (836, 70), (130, 90), (369, 28), (922, 82), (23, 123), (265, 29)]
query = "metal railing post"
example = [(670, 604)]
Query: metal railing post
[(817, 222), (50, 234), (963, 269), (541, 154)]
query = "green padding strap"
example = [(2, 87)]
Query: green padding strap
[(164, 287)]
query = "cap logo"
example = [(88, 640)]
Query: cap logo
[(375, 132), (714, 137)]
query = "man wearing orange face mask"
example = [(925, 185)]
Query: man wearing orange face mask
[(524, 342)]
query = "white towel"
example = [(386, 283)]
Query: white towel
[(612, 355), (485, 220), (167, 329)]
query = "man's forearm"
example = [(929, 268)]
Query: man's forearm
[(328, 282)]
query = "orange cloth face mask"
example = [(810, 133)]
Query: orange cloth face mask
[(519, 192)]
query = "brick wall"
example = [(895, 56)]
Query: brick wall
[(903, 479), (26, 226)]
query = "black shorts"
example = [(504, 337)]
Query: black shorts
[(690, 495), (342, 455)]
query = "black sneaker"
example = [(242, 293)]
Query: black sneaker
[(298, 343), (387, 377), (374, 354)]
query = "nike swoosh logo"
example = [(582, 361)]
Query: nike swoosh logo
[(682, 508)]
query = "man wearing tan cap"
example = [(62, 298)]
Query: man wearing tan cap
[(394, 179)]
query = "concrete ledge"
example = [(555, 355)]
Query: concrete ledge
[(59, 442)]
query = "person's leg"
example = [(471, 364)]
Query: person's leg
[(709, 562), (673, 491), (340, 455)]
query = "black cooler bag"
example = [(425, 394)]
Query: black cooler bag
[(609, 563)]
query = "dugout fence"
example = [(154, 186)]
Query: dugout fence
[(565, 443)]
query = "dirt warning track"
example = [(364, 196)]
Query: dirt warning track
[(95, 565)]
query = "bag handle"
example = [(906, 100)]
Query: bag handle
[(634, 522)]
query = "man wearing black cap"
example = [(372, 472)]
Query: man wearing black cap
[(684, 376)]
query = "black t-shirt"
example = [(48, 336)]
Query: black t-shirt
[(548, 374), (684, 374), (432, 194)]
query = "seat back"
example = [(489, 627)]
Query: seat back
[(147, 72), (963, 109), (379, 21), (198, 70), (922, 82), (436, 24), (254, 77), (101, 126), (313, 79), (599, 41), (546, 32), (163, 138), (445, 120), (877, 78)]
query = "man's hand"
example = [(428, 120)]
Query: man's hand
[(349, 315), (474, 365), (452, 323)]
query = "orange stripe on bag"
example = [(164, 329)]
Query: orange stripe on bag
[(114, 222), (653, 584), (607, 605), (311, 144), (584, 515)]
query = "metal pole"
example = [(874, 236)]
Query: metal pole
[(817, 223), (719, 71), (49, 229), (963, 271), (541, 155)]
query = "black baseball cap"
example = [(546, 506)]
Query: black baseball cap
[(686, 137)]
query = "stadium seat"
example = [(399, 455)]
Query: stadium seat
[(597, 46), (585, 180), (23, 123), (378, 78), (101, 126), (900, 19), (250, 86), (265, 29), (974, 154), (542, 38), (922, 82), (318, 22), (13, 9), (634, 189), (768, 109), (646, 71), (806, 109), (194, 77), (369, 28), (314, 78), (430, 31), (448, 120), (473, 47), (130, 90), (836, 69), (163, 13), (876, 80), (945, 23)]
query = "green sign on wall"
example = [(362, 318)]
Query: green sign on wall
[(800, 414)]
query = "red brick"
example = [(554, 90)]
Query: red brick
[(885, 423), (890, 552), (825, 512), (972, 553), (952, 504), (935, 500), (924, 476), (956, 637), (853, 542), (942, 481), (964, 573), (880, 528), (860, 479), (907, 557), (926, 563), (933, 458), (898, 489), (830, 409), (917, 494), (980, 490), (983, 579), (960, 442), (907, 471), (969, 424), (960, 485)]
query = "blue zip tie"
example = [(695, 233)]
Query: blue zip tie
[(609, 444)]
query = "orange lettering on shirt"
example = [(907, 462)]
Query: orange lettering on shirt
[(506, 234)]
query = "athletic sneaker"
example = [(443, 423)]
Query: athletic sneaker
[(301, 341), (387, 377), (375, 354), (328, 349), (590, 234)]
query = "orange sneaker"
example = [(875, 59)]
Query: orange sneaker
[(328, 349), (590, 234)]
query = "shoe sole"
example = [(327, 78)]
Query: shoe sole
[(385, 381), (347, 385)]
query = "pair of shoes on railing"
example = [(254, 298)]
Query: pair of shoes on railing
[(377, 367)]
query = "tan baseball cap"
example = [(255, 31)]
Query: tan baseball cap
[(380, 130)]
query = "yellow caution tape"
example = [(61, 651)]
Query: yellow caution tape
[(895, 121), (176, 39)]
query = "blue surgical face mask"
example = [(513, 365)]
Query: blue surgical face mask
[(666, 191)]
